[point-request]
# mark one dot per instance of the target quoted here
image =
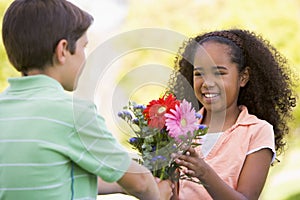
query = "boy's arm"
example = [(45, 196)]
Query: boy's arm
[(138, 182), (108, 188)]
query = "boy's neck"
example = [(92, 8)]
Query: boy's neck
[(33, 72), (48, 71)]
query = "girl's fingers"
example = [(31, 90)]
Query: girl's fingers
[(184, 158), (184, 163), (189, 172), (192, 151)]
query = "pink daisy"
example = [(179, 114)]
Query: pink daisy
[(181, 120)]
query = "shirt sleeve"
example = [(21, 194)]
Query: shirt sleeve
[(94, 148), (262, 137)]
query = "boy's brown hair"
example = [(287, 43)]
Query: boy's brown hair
[(32, 29)]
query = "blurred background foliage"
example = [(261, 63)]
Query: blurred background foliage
[(277, 20)]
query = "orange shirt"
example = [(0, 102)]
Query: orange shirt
[(248, 135)]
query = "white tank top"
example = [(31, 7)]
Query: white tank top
[(210, 140)]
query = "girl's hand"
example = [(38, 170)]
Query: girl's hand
[(194, 165), (251, 178)]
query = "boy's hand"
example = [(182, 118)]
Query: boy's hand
[(165, 188)]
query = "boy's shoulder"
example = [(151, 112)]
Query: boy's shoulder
[(41, 93)]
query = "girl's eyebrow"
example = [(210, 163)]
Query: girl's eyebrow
[(214, 67), (220, 67), (198, 68)]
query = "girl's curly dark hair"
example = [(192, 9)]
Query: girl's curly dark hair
[(268, 93)]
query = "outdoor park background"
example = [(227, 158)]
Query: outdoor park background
[(276, 20)]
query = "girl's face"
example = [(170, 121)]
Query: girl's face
[(216, 78)]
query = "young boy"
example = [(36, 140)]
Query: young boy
[(54, 147)]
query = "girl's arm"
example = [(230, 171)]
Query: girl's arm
[(251, 180)]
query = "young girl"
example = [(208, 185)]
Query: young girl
[(244, 91)]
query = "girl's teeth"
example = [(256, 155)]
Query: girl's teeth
[(210, 95)]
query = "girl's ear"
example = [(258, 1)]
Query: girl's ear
[(244, 77), (61, 52)]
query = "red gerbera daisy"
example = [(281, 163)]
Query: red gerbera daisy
[(156, 109)]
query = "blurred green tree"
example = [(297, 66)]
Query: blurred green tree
[(5, 69)]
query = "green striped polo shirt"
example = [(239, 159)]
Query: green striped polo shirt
[(53, 146)]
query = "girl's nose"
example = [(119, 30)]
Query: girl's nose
[(208, 83)]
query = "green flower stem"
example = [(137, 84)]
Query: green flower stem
[(156, 153), (162, 173)]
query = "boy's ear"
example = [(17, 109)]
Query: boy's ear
[(244, 77), (61, 51)]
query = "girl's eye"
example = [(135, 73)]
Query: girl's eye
[(197, 73), (219, 73)]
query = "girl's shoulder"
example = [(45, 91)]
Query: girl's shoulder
[(245, 118)]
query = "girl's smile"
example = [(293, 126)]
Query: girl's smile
[(216, 78), (210, 98)]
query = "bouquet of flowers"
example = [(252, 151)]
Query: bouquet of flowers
[(163, 127)]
